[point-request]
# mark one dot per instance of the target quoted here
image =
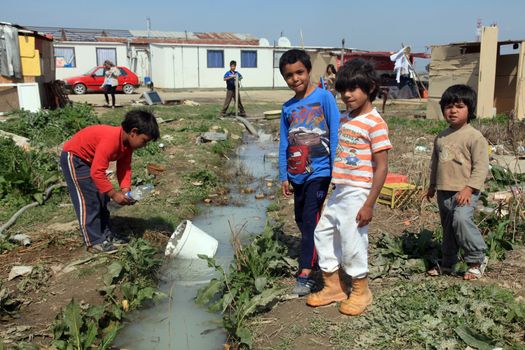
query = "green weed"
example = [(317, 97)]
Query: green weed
[(50, 128), (272, 207), (25, 175), (249, 286), (130, 282), (437, 315), (404, 255)]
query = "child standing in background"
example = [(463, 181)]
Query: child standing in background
[(459, 166)]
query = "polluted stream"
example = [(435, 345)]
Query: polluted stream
[(176, 322)]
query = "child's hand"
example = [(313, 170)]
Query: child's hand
[(463, 196), (364, 216), (430, 193), (121, 198), (285, 188)]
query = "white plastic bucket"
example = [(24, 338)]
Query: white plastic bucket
[(188, 241)]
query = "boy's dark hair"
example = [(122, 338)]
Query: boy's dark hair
[(233, 63), (460, 93), (294, 55), (144, 121), (358, 74)]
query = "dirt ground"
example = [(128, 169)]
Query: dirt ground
[(66, 270)]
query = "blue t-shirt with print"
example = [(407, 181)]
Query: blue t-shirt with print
[(309, 130)]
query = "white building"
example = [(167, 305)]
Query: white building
[(172, 60)]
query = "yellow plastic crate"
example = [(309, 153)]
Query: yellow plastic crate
[(395, 194)]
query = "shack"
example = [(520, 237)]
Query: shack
[(495, 69), (27, 64)]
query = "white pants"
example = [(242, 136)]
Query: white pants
[(338, 240)]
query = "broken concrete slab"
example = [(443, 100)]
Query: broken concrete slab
[(20, 141), (514, 164), (213, 136), (20, 270)]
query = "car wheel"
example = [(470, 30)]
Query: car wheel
[(79, 89), (128, 89)]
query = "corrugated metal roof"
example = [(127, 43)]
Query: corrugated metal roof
[(164, 35), (144, 36), (81, 34)]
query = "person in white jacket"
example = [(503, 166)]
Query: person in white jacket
[(111, 74)]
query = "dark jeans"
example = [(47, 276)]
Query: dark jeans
[(108, 89), (308, 201), (90, 205), (230, 95)]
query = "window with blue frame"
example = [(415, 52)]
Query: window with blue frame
[(248, 59), (215, 59)]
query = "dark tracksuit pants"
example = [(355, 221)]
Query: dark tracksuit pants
[(308, 202), (90, 205)]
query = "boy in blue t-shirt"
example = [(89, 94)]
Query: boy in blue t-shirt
[(309, 127), (229, 78)]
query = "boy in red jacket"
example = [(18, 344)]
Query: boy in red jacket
[(84, 161)]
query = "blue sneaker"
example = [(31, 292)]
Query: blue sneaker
[(303, 286)]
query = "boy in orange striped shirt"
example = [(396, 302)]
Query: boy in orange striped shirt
[(360, 169)]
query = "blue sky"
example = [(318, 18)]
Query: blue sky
[(372, 25)]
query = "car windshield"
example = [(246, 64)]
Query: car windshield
[(90, 71)]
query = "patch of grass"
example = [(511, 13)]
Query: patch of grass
[(274, 206), (426, 126), (50, 128), (24, 175), (432, 314)]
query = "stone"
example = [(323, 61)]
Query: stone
[(17, 271)]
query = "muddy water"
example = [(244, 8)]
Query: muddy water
[(177, 322)]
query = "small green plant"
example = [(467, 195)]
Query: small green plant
[(249, 285), (205, 178), (272, 207), (78, 329)]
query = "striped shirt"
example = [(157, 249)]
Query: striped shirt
[(359, 137)]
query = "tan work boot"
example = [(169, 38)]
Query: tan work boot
[(359, 299), (332, 291)]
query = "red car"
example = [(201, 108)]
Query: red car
[(93, 79)]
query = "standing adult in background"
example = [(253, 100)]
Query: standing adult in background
[(329, 79), (111, 74), (229, 78)]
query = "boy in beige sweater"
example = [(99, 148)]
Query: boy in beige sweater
[(459, 167)]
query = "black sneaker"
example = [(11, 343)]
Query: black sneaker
[(104, 247), (119, 239)]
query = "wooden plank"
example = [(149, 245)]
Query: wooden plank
[(519, 103), (487, 71)]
